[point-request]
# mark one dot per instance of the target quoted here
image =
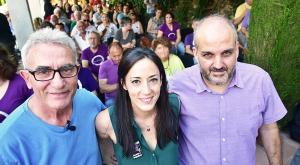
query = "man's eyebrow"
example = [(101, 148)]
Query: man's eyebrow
[(42, 67), (228, 50)]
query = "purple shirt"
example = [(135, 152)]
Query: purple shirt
[(86, 80), (189, 40), (170, 34), (246, 20), (16, 93), (95, 59), (222, 128), (108, 70)]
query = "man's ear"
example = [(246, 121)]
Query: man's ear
[(25, 75)]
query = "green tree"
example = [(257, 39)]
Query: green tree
[(274, 45)]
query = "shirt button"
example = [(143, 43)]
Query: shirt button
[(223, 119), (223, 139), (224, 159), (153, 154), (222, 97)]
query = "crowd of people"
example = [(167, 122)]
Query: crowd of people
[(141, 97)]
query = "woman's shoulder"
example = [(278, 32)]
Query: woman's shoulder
[(174, 102)]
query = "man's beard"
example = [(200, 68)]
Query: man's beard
[(228, 74)]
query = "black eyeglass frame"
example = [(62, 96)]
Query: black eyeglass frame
[(54, 71)]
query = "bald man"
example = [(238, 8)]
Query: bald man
[(225, 104)]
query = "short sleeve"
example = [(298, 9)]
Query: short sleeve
[(118, 35), (84, 55), (274, 109), (102, 71)]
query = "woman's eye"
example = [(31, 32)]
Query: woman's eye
[(154, 80), (135, 81)]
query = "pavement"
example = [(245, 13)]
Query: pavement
[(289, 147)]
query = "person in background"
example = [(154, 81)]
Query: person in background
[(189, 41), (123, 14), (236, 102), (81, 37), (77, 17), (107, 29), (143, 123), (53, 125), (118, 9), (108, 73), (13, 89), (136, 25), (93, 56), (171, 62), (48, 9), (37, 23), (150, 7), (97, 15), (6, 36), (88, 27), (241, 12), (154, 23), (60, 27), (171, 30), (125, 35), (87, 81)]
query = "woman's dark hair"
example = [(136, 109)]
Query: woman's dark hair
[(171, 14), (8, 66), (166, 122)]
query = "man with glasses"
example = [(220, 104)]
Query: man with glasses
[(88, 27), (56, 125)]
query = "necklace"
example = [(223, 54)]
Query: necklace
[(146, 126)]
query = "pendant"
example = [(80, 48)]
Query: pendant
[(148, 129)]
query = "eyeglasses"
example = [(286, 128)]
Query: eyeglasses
[(47, 73), (85, 20)]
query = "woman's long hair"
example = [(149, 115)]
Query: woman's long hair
[(166, 122)]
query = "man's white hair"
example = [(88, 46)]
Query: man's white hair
[(48, 36)]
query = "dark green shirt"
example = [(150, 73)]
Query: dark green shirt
[(167, 155)]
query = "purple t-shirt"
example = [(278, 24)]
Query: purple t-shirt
[(108, 70), (95, 59), (222, 128), (86, 80), (246, 20), (17, 92), (189, 40), (170, 34)]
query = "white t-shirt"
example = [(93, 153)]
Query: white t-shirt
[(111, 30), (136, 27)]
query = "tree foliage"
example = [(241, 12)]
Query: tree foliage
[(274, 45)]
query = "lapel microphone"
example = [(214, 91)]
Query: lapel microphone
[(69, 126)]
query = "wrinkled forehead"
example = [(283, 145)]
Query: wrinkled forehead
[(46, 54)]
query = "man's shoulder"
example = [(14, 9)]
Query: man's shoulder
[(185, 77), (85, 98), (250, 69), (86, 51), (106, 64)]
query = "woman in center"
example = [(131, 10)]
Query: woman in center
[(143, 123)]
